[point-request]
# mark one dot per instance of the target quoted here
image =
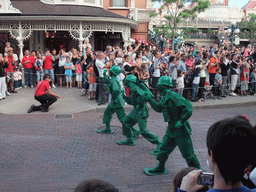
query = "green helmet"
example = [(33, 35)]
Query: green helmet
[(131, 78), (115, 70), (165, 80)]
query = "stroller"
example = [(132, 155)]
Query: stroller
[(207, 94)]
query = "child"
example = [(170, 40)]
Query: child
[(253, 80), (245, 79), (92, 82), (39, 67), (144, 72), (217, 84), (17, 78), (8, 46), (68, 72), (79, 72), (195, 85), (180, 82), (190, 62)]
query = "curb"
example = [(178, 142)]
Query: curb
[(195, 106)]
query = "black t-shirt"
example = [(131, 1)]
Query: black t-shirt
[(224, 69)]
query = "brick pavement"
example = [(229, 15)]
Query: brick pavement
[(40, 153)]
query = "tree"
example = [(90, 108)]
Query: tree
[(248, 23), (177, 11)]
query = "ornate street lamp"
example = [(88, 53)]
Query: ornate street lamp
[(222, 41), (232, 31)]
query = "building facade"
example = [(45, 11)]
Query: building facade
[(40, 24)]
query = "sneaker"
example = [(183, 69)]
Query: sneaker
[(17, 88), (25, 86), (20, 87), (31, 109), (13, 91), (31, 86), (233, 94), (53, 86), (8, 94)]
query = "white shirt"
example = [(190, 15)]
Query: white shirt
[(62, 60), (157, 72), (100, 66), (180, 82)]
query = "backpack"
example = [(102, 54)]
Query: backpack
[(95, 69)]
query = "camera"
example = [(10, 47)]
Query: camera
[(206, 179)]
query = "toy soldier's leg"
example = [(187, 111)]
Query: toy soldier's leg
[(128, 123), (109, 111), (185, 145), (167, 146), (148, 135), (121, 116)]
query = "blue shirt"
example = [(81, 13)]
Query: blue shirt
[(182, 66)]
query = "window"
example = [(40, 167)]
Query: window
[(118, 3), (89, 1)]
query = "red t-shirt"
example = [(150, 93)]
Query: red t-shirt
[(10, 66), (246, 77), (48, 62), (31, 62), (42, 87)]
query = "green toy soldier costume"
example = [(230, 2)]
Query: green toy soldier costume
[(140, 112), (176, 111), (117, 102)]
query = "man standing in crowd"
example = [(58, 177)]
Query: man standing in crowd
[(100, 64), (28, 64), (44, 95), (157, 72), (12, 60), (62, 60), (48, 67)]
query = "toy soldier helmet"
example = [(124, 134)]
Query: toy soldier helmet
[(165, 80), (131, 78), (115, 70)]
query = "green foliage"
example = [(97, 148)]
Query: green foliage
[(248, 27), (180, 12)]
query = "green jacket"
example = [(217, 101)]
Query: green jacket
[(113, 86), (174, 108), (138, 100)]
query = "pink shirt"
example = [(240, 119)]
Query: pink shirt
[(247, 52), (78, 69)]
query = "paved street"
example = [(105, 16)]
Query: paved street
[(41, 153)]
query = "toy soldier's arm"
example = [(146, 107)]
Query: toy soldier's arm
[(155, 105)]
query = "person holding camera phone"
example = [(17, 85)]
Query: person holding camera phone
[(229, 143)]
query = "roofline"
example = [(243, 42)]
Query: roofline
[(133, 24)]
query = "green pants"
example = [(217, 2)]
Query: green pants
[(185, 145), (109, 111), (129, 123)]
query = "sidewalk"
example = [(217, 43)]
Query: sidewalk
[(71, 102)]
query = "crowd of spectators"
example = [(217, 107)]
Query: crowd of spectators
[(198, 73)]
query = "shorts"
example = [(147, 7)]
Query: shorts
[(61, 70), (68, 79), (79, 77), (10, 77), (244, 86), (92, 87)]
